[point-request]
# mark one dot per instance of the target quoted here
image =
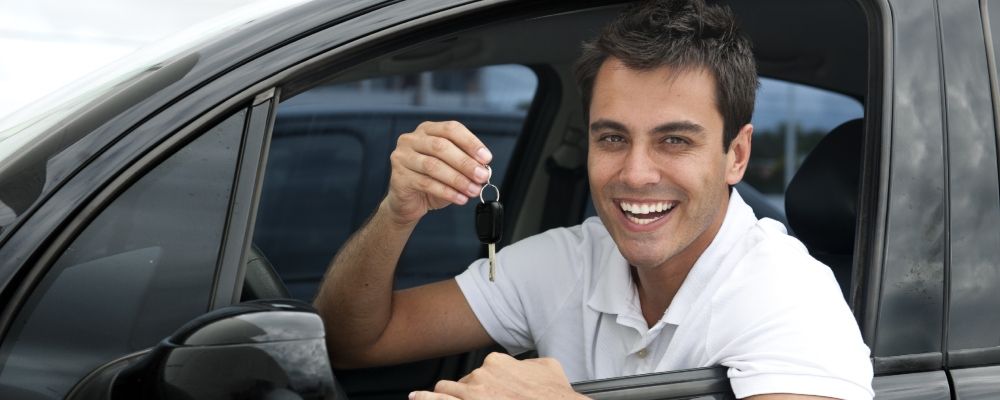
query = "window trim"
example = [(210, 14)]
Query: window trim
[(237, 236)]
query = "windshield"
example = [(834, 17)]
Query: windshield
[(19, 129)]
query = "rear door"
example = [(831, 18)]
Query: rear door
[(970, 34)]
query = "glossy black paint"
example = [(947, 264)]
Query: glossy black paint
[(245, 194), (913, 386), (262, 321), (974, 192), (707, 384), (976, 383), (911, 312), (278, 347)]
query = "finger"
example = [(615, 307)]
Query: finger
[(422, 395), (447, 151), (461, 136), (451, 388), (442, 172), (432, 187)]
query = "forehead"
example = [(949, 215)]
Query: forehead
[(655, 95)]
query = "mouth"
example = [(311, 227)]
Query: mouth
[(646, 212)]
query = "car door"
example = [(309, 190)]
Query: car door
[(973, 352)]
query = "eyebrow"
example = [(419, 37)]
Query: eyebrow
[(669, 127)]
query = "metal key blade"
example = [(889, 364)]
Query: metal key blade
[(493, 255)]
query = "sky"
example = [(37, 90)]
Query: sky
[(47, 44)]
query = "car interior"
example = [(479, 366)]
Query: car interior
[(822, 45)]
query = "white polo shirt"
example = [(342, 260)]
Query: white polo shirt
[(755, 302)]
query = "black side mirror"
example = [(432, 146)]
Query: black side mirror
[(272, 349)]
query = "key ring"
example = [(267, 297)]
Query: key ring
[(488, 184), (484, 189)]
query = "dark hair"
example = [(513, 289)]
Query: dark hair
[(681, 34)]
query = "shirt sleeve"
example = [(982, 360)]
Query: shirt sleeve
[(533, 280), (789, 330)]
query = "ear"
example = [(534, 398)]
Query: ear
[(738, 155)]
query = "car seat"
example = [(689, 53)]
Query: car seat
[(821, 201)]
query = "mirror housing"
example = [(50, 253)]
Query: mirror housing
[(272, 349)]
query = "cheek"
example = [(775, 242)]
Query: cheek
[(600, 169)]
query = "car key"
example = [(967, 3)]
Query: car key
[(489, 222)]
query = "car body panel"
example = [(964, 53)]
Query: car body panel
[(926, 284)]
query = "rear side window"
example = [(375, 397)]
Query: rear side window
[(789, 120), (138, 272), (328, 167)]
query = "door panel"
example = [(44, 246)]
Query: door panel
[(917, 386), (976, 383), (703, 383)]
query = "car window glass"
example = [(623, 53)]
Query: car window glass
[(789, 120), (328, 166), (135, 274)]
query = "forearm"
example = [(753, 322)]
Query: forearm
[(355, 299)]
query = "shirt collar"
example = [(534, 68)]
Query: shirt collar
[(614, 291), (739, 218)]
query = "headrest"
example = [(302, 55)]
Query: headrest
[(821, 200)]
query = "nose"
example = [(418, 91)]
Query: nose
[(639, 169)]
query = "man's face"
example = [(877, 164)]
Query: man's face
[(658, 172)]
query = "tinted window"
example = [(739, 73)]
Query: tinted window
[(139, 271), (328, 167)]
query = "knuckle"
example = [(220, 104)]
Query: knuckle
[(492, 358), (439, 386), (459, 181), (453, 125), (428, 163), (438, 144), (477, 375), (405, 138), (469, 164), (423, 126)]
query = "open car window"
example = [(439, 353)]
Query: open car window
[(328, 166)]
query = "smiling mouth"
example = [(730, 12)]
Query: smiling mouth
[(646, 213)]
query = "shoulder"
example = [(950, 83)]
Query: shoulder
[(779, 316)]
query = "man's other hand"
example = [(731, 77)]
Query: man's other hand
[(504, 377)]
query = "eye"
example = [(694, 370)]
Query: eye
[(674, 140), (612, 138)]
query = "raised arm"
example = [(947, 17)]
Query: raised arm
[(368, 324)]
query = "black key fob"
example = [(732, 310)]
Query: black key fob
[(489, 221)]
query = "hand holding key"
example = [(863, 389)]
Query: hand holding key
[(437, 164)]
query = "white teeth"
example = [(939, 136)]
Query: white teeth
[(646, 208)]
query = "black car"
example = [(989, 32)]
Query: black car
[(156, 222)]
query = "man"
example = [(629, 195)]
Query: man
[(676, 273)]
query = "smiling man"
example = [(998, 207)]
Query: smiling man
[(675, 273)]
